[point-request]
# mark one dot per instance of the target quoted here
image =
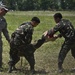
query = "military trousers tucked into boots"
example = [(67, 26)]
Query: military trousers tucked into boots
[(64, 50)]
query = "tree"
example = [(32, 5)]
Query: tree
[(29, 5), (11, 4), (36, 4), (45, 4), (49, 4), (68, 4), (39, 4)]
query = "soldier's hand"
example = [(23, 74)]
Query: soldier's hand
[(51, 38), (55, 36), (45, 34)]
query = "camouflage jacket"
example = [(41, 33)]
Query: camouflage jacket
[(24, 32), (3, 28), (65, 28)]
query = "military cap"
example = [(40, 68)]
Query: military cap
[(3, 7)]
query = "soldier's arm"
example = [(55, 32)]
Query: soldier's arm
[(71, 25), (49, 33), (6, 34), (52, 31)]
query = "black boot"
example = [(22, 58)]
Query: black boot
[(10, 69), (32, 71), (60, 69), (14, 68)]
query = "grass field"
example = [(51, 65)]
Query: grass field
[(47, 55)]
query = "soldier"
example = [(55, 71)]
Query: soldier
[(20, 44), (66, 30), (3, 28)]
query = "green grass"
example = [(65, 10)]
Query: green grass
[(47, 55)]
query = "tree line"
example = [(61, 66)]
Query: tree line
[(26, 5)]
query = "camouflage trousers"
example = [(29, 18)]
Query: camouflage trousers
[(1, 50), (16, 51), (66, 47)]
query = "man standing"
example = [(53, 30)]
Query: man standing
[(20, 44), (66, 30), (3, 28)]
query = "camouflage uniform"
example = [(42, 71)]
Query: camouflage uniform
[(3, 28), (20, 45), (66, 30)]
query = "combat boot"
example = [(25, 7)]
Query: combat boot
[(10, 69), (32, 71), (60, 68), (14, 68)]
